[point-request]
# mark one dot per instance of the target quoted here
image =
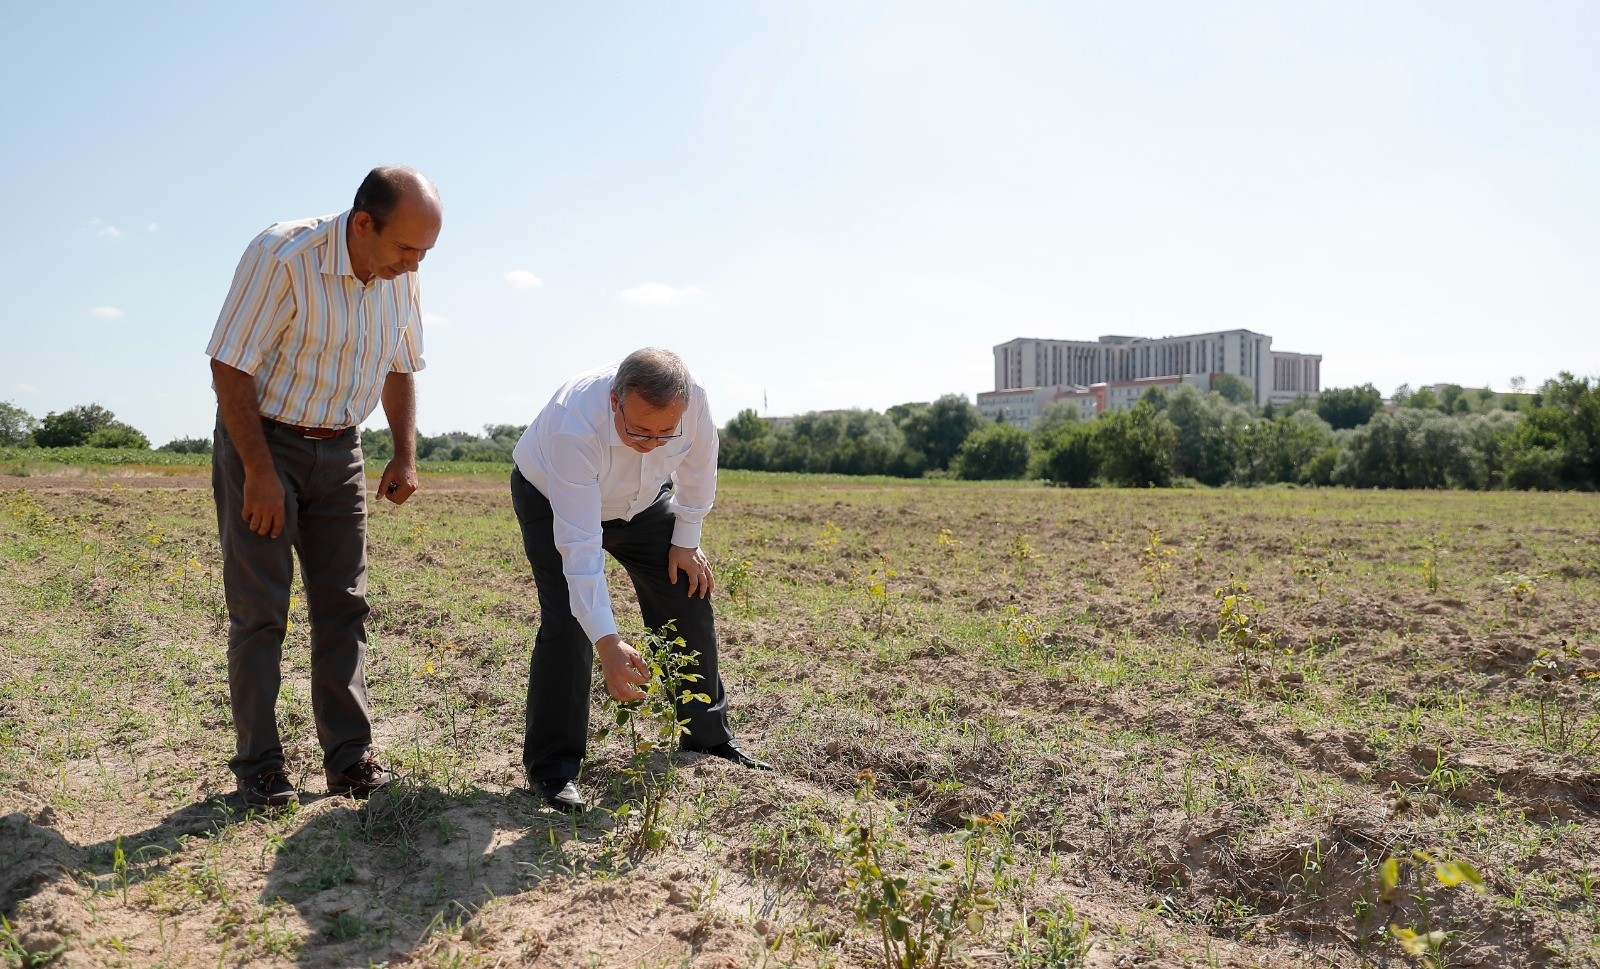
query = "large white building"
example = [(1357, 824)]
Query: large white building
[(1029, 374)]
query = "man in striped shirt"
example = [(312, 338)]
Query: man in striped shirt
[(322, 323)]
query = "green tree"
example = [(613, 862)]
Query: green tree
[(999, 451), (72, 428), (1423, 399), (187, 445), (1135, 447), (938, 431), (118, 435), (1055, 414), (1233, 389), (16, 425), (1068, 455), (1207, 430), (1344, 407), (747, 425)]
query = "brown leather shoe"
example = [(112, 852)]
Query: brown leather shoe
[(359, 779)]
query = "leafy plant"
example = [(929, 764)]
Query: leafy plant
[(918, 918), (1562, 687), (1424, 943), (1051, 937), (1236, 627), (1154, 561), (878, 595), (653, 727), (737, 581)]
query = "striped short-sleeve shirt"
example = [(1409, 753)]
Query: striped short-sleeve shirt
[(318, 341)]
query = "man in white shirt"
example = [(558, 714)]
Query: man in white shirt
[(622, 460), (322, 323)]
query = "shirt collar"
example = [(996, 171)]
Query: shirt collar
[(336, 256)]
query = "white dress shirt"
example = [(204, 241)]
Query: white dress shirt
[(573, 454), (319, 342)]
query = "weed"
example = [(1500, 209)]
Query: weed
[(1024, 628), (917, 918), (878, 595), (1154, 561), (1051, 937), (1430, 564), (948, 544), (654, 727), (1236, 626), (1424, 943), (829, 539), (14, 953), (1021, 550), (1564, 691), (737, 581)]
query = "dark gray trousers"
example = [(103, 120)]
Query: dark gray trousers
[(556, 728), (325, 522)]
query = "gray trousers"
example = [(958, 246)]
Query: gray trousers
[(556, 728), (325, 522)]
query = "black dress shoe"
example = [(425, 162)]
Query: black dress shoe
[(730, 750), (563, 795)]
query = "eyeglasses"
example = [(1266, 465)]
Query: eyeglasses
[(641, 438), (635, 436)]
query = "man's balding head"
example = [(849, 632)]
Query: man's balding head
[(387, 187)]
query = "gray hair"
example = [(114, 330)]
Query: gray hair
[(659, 376)]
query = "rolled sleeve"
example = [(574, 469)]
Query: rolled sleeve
[(256, 310)]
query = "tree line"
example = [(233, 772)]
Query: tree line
[(1446, 438), (1449, 438)]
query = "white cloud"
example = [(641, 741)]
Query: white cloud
[(106, 313), (102, 228), (657, 294), (152, 227), (25, 389), (522, 279), (435, 321)]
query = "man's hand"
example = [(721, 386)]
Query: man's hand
[(399, 481), (263, 503), (695, 565), (624, 668)]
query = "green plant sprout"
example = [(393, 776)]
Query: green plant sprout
[(1236, 627), (1154, 561), (653, 726)]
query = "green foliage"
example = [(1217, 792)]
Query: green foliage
[(938, 431), (1207, 434), (16, 425), (996, 452), (1067, 455), (118, 435), (918, 918), (1233, 389), (747, 425), (1136, 447), (1055, 414), (654, 732), (1345, 407), (72, 428), (187, 445)]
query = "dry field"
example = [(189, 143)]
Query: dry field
[(1014, 726)]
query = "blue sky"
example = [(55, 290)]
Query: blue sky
[(819, 205)]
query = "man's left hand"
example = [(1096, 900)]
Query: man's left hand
[(695, 565), (399, 481)]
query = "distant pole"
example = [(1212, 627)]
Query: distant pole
[(763, 401)]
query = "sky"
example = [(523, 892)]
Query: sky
[(818, 205)]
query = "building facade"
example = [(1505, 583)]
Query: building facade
[(1273, 377)]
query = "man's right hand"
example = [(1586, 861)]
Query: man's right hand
[(624, 668), (263, 504)]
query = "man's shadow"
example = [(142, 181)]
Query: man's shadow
[(371, 879), (374, 879)]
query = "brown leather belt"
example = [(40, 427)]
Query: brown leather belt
[(313, 433)]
